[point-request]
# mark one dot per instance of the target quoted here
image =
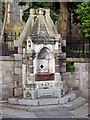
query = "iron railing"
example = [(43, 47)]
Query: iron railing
[(76, 47)]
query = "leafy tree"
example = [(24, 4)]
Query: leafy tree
[(83, 15), (51, 5)]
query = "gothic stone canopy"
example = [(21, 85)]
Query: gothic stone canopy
[(41, 64)]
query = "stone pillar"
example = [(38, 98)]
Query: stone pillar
[(30, 65), (58, 82), (57, 65), (18, 75), (81, 76)]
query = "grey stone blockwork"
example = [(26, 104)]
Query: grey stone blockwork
[(78, 80), (10, 83)]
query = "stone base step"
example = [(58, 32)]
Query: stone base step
[(43, 101), (76, 103), (67, 106)]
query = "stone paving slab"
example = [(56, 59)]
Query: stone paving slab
[(18, 113), (81, 112), (61, 114), (13, 113)]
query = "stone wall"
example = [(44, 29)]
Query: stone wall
[(10, 82), (78, 80), (11, 78)]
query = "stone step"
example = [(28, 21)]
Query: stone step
[(75, 103), (80, 101), (43, 101)]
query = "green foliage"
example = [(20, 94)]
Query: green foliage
[(22, 3), (25, 15), (50, 5), (83, 11), (70, 66)]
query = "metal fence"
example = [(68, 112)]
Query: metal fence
[(77, 47), (8, 43)]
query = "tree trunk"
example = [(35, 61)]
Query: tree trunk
[(4, 23), (63, 19)]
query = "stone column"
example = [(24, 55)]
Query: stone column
[(18, 75), (30, 71), (30, 65), (57, 65), (81, 76), (58, 82)]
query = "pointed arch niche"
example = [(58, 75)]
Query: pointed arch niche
[(45, 65)]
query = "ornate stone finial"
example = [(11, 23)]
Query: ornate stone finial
[(32, 11), (41, 11)]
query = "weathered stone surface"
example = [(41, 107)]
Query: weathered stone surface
[(76, 103), (8, 64), (8, 79), (85, 93), (67, 98), (79, 79), (48, 101), (63, 64), (13, 100), (28, 102), (7, 70), (62, 69), (45, 92), (5, 91), (63, 56), (17, 92), (32, 94), (18, 71), (16, 77), (0, 74), (57, 77), (18, 64), (1, 81), (6, 58), (63, 42), (16, 84), (18, 57)]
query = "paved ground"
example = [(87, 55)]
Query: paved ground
[(61, 113), (81, 112)]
